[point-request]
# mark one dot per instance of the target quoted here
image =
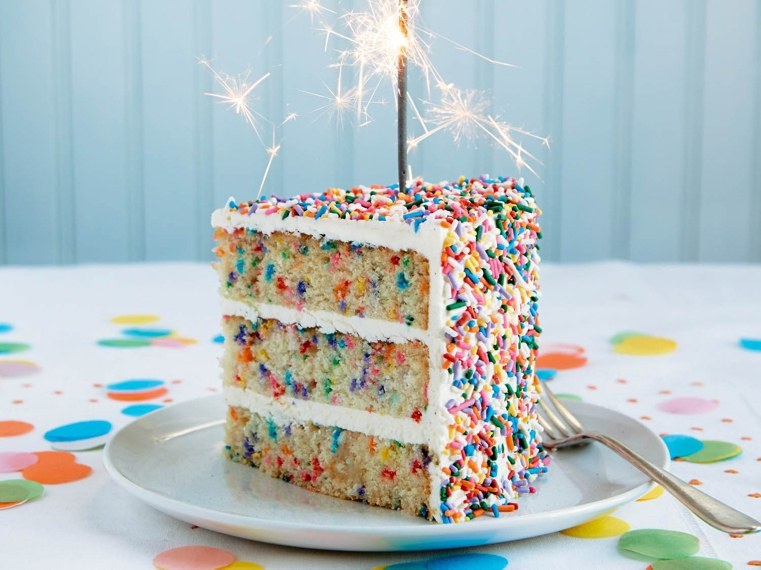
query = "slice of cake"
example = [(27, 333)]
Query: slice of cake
[(380, 345)]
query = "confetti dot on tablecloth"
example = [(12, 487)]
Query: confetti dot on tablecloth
[(56, 467), (655, 544), (138, 396), (219, 339), (11, 347), (642, 345), (79, 430), (754, 562), (135, 385), (18, 490), (174, 342), (11, 461), (691, 563), (688, 405), (16, 368), (193, 558), (546, 373), (457, 562), (653, 493), (124, 342), (681, 445), (604, 527), (243, 565), (751, 343), (147, 332), (5, 327), (9, 428), (141, 409), (713, 451), (560, 360), (134, 319), (573, 397)]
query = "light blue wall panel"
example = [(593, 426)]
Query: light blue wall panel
[(657, 130), (27, 105), (726, 228), (103, 194)]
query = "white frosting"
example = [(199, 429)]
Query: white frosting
[(287, 410)]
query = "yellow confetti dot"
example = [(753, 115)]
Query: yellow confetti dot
[(604, 527), (242, 565), (645, 345), (653, 493), (134, 319)]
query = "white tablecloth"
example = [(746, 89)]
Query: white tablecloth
[(61, 313)]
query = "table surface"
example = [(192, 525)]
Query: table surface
[(61, 314)]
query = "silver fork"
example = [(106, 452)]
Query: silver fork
[(563, 429)]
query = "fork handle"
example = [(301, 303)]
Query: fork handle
[(712, 511)]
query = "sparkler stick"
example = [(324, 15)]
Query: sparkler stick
[(401, 95)]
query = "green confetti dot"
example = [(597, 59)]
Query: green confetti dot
[(124, 342), (692, 563), (714, 451), (16, 490), (11, 347), (573, 397), (655, 544)]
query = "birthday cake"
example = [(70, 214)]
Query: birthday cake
[(380, 344)]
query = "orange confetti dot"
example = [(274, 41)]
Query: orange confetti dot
[(695, 482), (561, 361), (17, 402), (746, 438), (735, 535), (56, 467), (645, 418), (755, 495), (754, 562), (731, 471), (633, 400), (9, 428), (138, 396), (591, 387), (727, 420)]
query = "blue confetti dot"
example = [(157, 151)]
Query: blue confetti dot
[(751, 343), (682, 445), (458, 562), (147, 333), (79, 430), (219, 339), (135, 385), (5, 327), (141, 409), (546, 373)]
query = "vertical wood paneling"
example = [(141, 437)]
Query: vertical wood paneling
[(100, 131), (554, 74), (168, 131), (588, 130), (658, 130), (692, 179), (65, 198), (29, 159), (203, 127), (725, 229)]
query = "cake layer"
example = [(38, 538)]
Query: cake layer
[(282, 360), (332, 461), (305, 272)]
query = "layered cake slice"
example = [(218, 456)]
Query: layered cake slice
[(380, 344)]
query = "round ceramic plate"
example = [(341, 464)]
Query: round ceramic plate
[(172, 459)]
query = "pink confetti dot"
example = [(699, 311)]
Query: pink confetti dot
[(688, 406), (11, 461), (193, 558)]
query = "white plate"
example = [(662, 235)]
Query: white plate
[(188, 478)]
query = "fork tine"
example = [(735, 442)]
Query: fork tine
[(549, 430), (554, 420), (562, 410)]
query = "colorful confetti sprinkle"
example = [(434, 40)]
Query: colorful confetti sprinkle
[(655, 544), (219, 339), (141, 409), (10, 428), (135, 385), (19, 490), (713, 451), (174, 342), (635, 344), (193, 558), (5, 327), (546, 373), (574, 397), (78, 430), (243, 565), (56, 467), (560, 360), (134, 319), (147, 332), (457, 562), (12, 461), (688, 405), (124, 342), (681, 445), (604, 527), (691, 563), (11, 347), (751, 344), (16, 368), (652, 494), (138, 396)]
